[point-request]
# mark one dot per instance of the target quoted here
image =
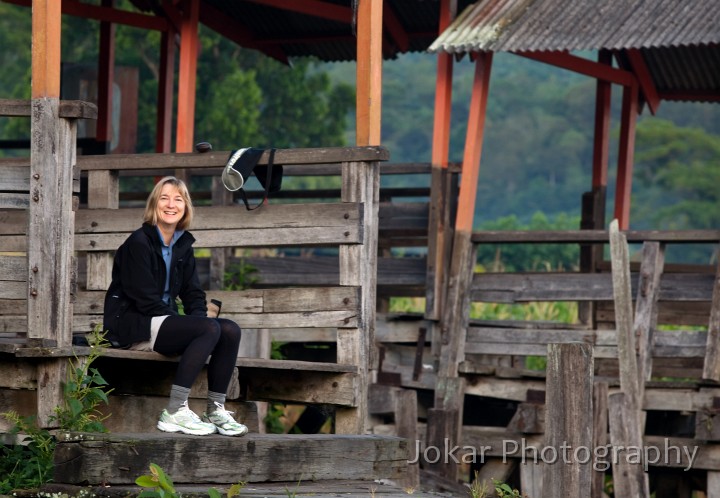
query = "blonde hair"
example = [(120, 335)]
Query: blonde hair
[(150, 215)]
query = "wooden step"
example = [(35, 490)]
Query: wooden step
[(121, 458)]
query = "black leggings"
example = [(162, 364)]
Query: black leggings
[(197, 338)]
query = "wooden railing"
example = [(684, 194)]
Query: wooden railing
[(350, 225)]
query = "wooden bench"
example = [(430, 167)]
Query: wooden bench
[(349, 226)]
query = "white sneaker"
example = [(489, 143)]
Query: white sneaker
[(224, 422), (184, 420)]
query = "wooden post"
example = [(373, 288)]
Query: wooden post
[(625, 407), (439, 222), (629, 478), (622, 294), (369, 72), (600, 436), (646, 309), (358, 267), (568, 420), (50, 214), (189, 47), (711, 367), (713, 484), (457, 308), (163, 126), (406, 427), (220, 256), (105, 80), (626, 155)]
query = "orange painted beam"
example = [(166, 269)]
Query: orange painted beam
[(623, 185), (106, 77), (187, 74), (163, 126), (582, 66), (369, 72), (601, 143), (46, 49), (642, 73), (473, 143), (443, 94)]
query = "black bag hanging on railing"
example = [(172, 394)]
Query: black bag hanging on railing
[(242, 163)]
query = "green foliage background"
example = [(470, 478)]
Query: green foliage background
[(537, 154)]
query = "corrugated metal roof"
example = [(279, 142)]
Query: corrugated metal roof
[(679, 40), (558, 25), (410, 26)]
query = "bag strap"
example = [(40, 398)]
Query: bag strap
[(271, 160)]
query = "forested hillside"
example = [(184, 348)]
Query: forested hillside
[(537, 154), (538, 147)]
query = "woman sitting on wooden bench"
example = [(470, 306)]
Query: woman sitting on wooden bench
[(153, 267)]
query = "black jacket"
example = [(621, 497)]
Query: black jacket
[(138, 281)]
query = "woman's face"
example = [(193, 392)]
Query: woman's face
[(170, 207)]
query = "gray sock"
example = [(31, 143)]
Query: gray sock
[(178, 397), (214, 397)]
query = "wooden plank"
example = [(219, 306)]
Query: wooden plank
[(271, 237), (300, 319), (629, 478), (92, 221), (457, 308), (103, 191), (308, 299), (120, 458), (67, 109), (396, 276), (711, 367), (713, 483), (629, 379), (548, 286), (123, 412), (568, 419), (215, 159), (679, 313), (443, 427), (13, 268), (14, 201), (593, 236), (600, 437), (529, 418), (646, 310)]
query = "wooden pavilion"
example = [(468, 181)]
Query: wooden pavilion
[(431, 369)]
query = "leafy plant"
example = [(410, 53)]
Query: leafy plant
[(240, 276), (84, 389), (504, 490), (29, 463), (157, 484)]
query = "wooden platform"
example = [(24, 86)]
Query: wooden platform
[(117, 459), (324, 489)]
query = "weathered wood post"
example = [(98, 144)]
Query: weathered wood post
[(625, 407), (568, 421), (51, 223), (358, 267)]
